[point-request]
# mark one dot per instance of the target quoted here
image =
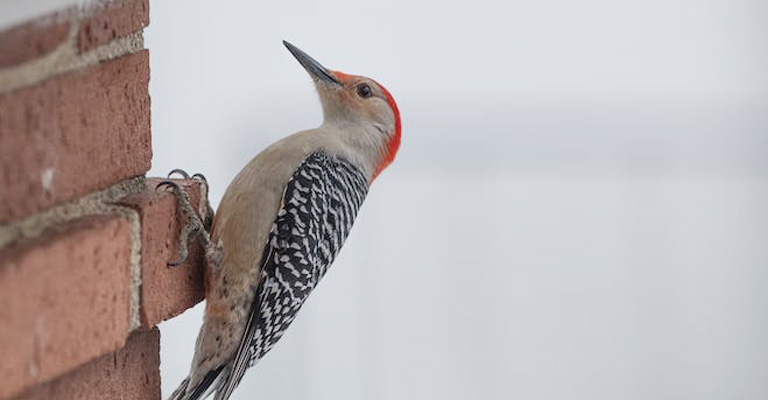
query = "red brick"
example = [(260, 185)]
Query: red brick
[(65, 299), (33, 39), (73, 134), (131, 373), (105, 21), (166, 291)]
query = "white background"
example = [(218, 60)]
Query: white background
[(579, 209)]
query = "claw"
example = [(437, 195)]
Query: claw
[(179, 171), (200, 176), (173, 185), (183, 251), (177, 263)]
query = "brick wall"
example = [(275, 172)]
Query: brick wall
[(84, 237)]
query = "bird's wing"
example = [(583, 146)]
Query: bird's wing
[(319, 205)]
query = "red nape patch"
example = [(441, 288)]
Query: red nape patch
[(394, 143)]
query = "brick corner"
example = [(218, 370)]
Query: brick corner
[(166, 291)]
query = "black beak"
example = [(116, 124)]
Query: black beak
[(313, 67)]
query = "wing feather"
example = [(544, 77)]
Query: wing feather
[(318, 207)]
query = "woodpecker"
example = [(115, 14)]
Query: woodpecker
[(281, 223)]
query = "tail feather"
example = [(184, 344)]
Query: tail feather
[(199, 392), (178, 394)]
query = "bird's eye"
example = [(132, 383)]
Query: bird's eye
[(364, 91)]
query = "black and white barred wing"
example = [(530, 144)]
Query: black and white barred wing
[(319, 205)]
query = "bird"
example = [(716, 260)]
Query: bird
[(281, 223)]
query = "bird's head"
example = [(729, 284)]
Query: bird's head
[(352, 101)]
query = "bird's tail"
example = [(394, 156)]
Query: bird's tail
[(200, 391), (178, 394)]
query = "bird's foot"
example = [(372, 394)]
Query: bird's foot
[(208, 219), (185, 175), (194, 227)]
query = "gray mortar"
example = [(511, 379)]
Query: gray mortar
[(98, 203), (65, 58)]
